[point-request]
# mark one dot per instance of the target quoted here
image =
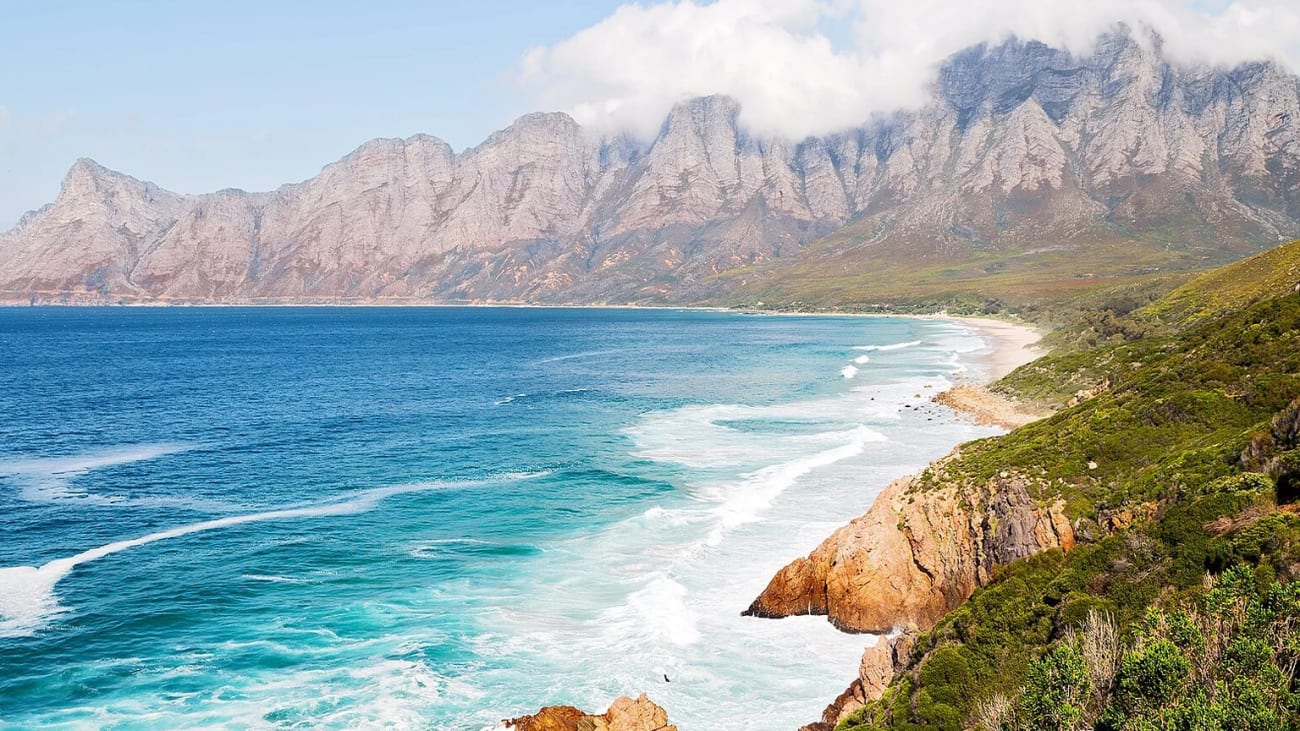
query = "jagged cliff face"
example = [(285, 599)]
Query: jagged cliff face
[(917, 554), (1024, 146)]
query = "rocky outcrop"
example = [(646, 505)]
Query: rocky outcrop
[(624, 714), (880, 663), (987, 407), (921, 550), (1021, 144)]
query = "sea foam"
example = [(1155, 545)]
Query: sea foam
[(27, 597), (46, 479), (892, 346)]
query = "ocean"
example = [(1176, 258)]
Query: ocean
[(437, 518)]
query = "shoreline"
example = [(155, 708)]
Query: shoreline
[(1011, 345), (987, 324)]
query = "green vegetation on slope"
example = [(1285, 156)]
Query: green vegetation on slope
[(1032, 284), (873, 265), (1270, 274), (1223, 662), (1184, 464)]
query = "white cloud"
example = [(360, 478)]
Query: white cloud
[(777, 58), (5, 116)]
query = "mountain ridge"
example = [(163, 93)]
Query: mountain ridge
[(1023, 149)]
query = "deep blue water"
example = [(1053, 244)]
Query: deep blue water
[(435, 517)]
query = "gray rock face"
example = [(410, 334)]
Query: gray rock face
[(1022, 145)]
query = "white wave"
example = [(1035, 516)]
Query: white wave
[(848, 372), (702, 436), (27, 598), (435, 548), (696, 436), (522, 476), (859, 432), (862, 359), (47, 479), (894, 346), (668, 517), (275, 579), (574, 356), (746, 502), (518, 396), (366, 693), (663, 612)]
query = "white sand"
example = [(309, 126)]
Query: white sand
[(1013, 344)]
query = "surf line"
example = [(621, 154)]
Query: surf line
[(895, 346), (27, 598)]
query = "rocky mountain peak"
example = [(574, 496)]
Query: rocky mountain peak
[(531, 130), (710, 119), (88, 186), (86, 175)]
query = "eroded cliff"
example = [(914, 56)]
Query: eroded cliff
[(920, 550)]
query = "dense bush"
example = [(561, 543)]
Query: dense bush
[(1227, 662)]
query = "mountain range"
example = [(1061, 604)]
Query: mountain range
[(1028, 161)]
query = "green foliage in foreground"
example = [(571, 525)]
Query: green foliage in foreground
[(1181, 473), (1224, 663)]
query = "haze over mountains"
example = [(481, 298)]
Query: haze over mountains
[(1025, 152)]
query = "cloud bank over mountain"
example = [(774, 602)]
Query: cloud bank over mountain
[(813, 67)]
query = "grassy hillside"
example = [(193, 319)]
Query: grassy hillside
[(1270, 274), (1182, 473), (865, 267)]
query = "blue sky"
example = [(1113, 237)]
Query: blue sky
[(203, 95)]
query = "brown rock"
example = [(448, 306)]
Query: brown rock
[(1121, 518), (880, 663), (987, 407), (916, 554), (624, 714), (550, 718), (876, 669)]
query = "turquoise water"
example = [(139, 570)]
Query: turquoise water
[(436, 518)]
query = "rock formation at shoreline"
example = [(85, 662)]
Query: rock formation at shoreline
[(880, 663), (987, 407), (624, 714), (1021, 144), (922, 549)]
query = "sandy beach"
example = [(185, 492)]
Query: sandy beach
[(1011, 346)]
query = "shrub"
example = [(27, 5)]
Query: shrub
[(1150, 678), (1240, 482), (1055, 692)]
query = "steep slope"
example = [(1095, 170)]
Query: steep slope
[(1031, 173), (1182, 459)]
